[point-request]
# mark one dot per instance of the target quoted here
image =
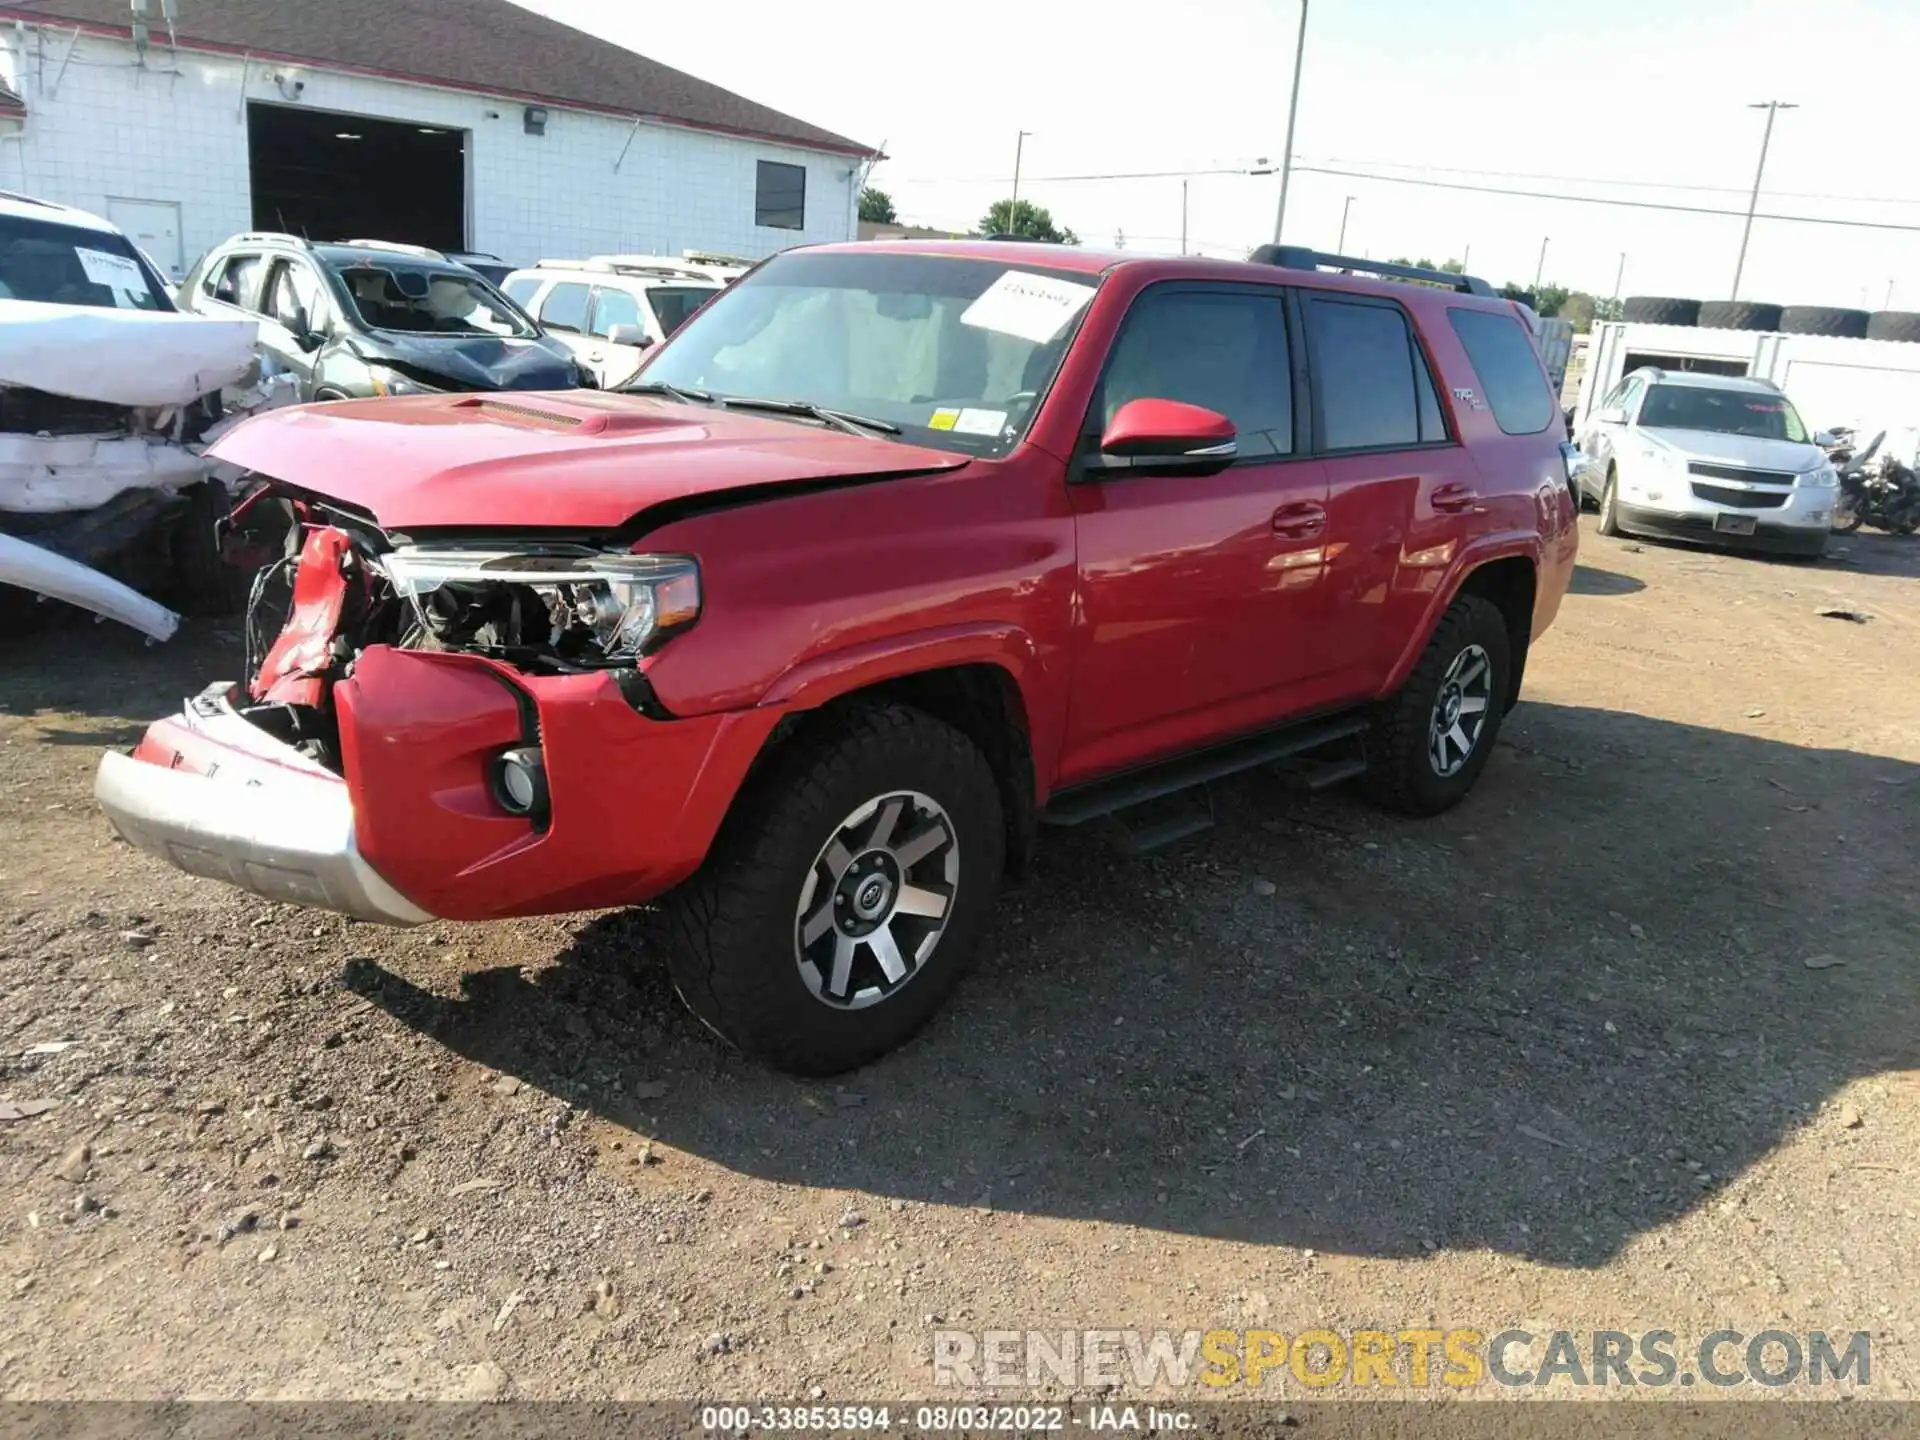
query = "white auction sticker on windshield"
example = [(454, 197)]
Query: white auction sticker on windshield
[(1034, 307), (980, 422), (116, 272)]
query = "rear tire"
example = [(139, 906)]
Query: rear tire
[(1610, 504), (834, 827), (1428, 744)]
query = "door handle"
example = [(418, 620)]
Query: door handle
[(1457, 499), (1301, 520)]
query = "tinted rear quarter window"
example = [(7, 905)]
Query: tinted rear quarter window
[(1510, 375), (1370, 379)]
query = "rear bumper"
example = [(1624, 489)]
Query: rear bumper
[(233, 803), (1769, 538)]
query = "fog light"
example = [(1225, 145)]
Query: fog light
[(520, 782), (1816, 517)]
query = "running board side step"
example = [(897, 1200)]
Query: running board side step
[(1082, 803)]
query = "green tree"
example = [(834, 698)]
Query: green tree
[(877, 206), (1023, 217)]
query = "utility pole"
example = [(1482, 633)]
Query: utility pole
[(1887, 304), (1466, 257), (1773, 108), (1341, 248), (1013, 204), (1183, 217), (1541, 268), (1293, 109)]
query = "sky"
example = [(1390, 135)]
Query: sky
[(1637, 93)]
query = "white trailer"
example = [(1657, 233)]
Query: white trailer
[(1868, 385)]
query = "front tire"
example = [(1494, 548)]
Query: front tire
[(1610, 504), (1429, 743), (845, 894)]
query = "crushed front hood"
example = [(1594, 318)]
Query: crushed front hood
[(579, 460), (470, 362), (121, 357)]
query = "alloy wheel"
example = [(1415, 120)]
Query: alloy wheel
[(877, 899), (1459, 711)]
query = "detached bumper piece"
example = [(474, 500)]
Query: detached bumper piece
[(215, 795)]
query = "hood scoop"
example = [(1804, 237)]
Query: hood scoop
[(523, 414)]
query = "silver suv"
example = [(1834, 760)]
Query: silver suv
[(1716, 458)]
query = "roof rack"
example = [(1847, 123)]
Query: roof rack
[(1299, 257), (420, 250), (278, 237)]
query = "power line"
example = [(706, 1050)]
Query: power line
[(1300, 164), (1631, 184), (1604, 200)]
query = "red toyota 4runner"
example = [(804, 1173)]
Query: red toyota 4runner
[(892, 553)]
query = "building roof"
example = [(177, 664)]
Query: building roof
[(493, 47)]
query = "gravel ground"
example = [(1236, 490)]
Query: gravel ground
[(1627, 1041)]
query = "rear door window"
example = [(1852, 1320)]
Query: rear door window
[(1371, 386), (565, 308), (1511, 378)]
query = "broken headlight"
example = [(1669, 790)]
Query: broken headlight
[(587, 607)]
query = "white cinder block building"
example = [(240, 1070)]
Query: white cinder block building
[(458, 124)]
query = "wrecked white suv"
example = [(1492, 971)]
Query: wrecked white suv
[(107, 397)]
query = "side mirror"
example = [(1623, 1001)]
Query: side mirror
[(634, 335), (1612, 415), (1166, 437), (304, 335), (1825, 439)]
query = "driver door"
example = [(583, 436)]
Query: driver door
[(1201, 596)]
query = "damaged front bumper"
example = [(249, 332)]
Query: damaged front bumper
[(413, 825), (215, 795)]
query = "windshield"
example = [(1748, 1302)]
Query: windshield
[(429, 302), (673, 304), (66, 265), (1725, 412), (954, 352)]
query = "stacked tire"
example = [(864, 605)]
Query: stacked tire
[(1824, 320), (1739, 315), (1894, 325), (1661, 310)]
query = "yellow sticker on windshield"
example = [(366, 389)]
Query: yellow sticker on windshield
[(943, 420)]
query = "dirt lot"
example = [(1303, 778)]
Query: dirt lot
[(1628, 1041)]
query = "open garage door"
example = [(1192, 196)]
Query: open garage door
[(329, 176)]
